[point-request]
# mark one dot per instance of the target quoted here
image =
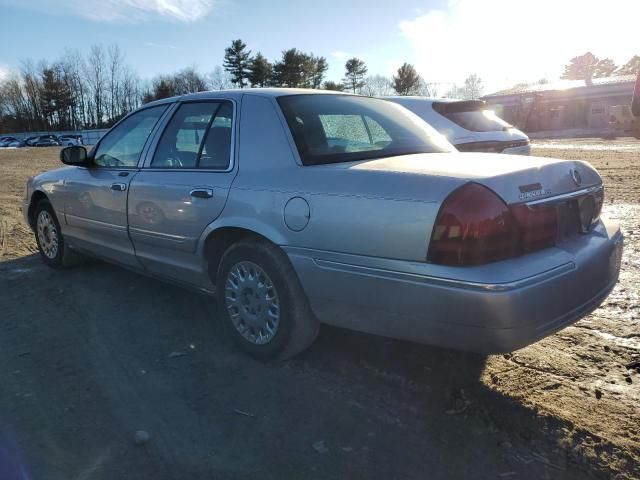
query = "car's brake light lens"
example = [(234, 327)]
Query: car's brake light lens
[(598, 197), (474, 226), (538, 226)]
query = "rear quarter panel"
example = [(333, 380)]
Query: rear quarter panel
[(369, 213)]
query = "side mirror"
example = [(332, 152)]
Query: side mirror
[(74, 155)]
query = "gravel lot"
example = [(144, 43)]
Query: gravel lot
[(90, 356)]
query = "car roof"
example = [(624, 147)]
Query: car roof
[(237, 93)]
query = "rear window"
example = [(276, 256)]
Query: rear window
[(472, 115), (344, 128)]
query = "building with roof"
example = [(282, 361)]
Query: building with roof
[(567, 107)]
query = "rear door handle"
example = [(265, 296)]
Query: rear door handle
[(201, 193), (119, 187)]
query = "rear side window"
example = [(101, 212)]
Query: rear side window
[(198, 136), (122, 146), (471, 115), (343, 128), (353, 133)]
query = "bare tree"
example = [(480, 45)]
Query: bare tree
[(377, 86), (71, 93), (97, 83), (130, 91), (116, 61), (189, 80), (74, 70), (455, 92), (15, 110), (473, 87), (220, 79), (32, 87)]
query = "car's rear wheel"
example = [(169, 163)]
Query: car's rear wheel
[(262, 302), (51, 244)]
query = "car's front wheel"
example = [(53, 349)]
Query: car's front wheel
[(262, 302), (51, 244)]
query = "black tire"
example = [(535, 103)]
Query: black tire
[(63, 257), (298, 327)]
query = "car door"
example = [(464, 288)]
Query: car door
[(182, 188), (95, 206)]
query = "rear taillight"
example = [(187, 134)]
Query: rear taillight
[(538, 226), (474, 226), (598, 198)]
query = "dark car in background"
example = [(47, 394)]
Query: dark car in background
[(43, 141), (8, 141)]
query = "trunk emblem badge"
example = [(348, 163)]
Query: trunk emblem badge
[(532, 190), (577, 178)]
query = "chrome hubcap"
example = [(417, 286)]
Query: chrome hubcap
[(252, 302), (47, 234)]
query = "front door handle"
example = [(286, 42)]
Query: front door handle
[(201, 193), (119, 187)]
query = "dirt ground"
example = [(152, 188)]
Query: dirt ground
[(92, 355)]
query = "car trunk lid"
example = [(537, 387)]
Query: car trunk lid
[(515, 180)]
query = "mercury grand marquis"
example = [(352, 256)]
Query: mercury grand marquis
[(297, 207)]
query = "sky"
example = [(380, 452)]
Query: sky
[(504, 41)]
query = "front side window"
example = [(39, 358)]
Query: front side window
[(198, 136), (122, 146), (343, 128)]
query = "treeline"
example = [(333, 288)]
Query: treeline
[(588, 66), (297, 69), (71, 93), (97, 89)]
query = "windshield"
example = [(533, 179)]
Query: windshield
[(471, 115), (345, 128)]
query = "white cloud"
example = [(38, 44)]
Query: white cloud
[(123, 10), (5, 72), (342, 55), (509, 41)]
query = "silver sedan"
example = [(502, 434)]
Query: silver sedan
[(296, 208)]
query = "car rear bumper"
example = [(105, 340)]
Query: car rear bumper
[(489, 309)]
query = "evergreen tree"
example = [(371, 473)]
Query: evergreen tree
[(355, 72), (55, 98), (236, 62), (605, 68), (261, 71), (632, 67), (289, 71), (316, 71), (330, 85), (588, 66), (407, 81)]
